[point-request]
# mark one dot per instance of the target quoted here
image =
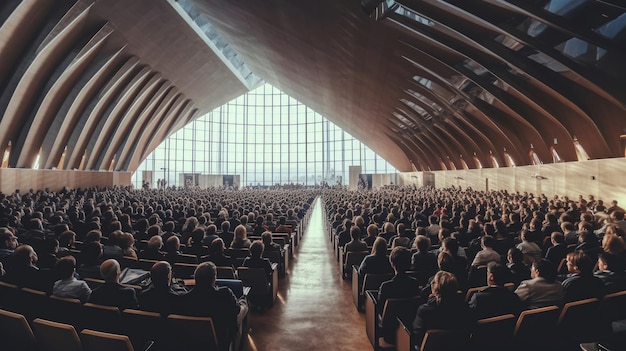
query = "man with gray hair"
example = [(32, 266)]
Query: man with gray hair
[(112, 293)]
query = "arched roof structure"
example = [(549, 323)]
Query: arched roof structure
[(428, 85)]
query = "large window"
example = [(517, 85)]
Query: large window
[(267, 138)]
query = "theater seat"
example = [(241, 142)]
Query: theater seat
[(15, 333), (53, 336), (190, 333)]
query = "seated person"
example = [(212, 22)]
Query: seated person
[(240, 239), (47, 255), (90, 256), (210, 234), (68, 286), (195, 245), (112, 248), (256, 259), (611, 271), (376, 262), (580, 283), (269, 245), (356, 244), (495, 300), (446, 310), (542, 290), (519, 270), (112, 293), (423, 260), (372, 234), (172, 249), (8, 244), (558, 250), (487, 254), (400, 286), (219, 303), (216, 254), (153, 250), (530, 249), (23, 270), (160, 295)]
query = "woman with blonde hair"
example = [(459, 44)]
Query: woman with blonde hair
[(240, 240)]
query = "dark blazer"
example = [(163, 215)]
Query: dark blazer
[(400, 286), (495, 301), (453, 314), (375, 264), (114, 294), (255, 262), (158, 299), (424, 262), (219, 260), (218, 303), (613, 282), (556, 253), (580, 287)]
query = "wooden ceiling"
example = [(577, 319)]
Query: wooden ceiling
[(432, 84)]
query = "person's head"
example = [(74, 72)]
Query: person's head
[(90, 253), (567, 227), (205, 274), (355, 233), (444, 286), (225, 226), (487, 241), (126, 241), (400, 259), (169, 226), (266, 237), (211, 230), (451, 246), (240, 233), (161, 274), (372, 230), (613, 244), (543, 268), (422, 243), (497, 274), (154, 230), (217, 246), (7, 239), (24, 255), (380, 246), (65, 267), (388, 227), (110, 271), (172, 244), (445, 262), (579, 262), (557, 238), (67, 238), (155, 243), (609, 262), (515, 255), (256, 249), (197, 235), (93, 236)]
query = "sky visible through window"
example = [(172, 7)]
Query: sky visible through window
[(265, 137)]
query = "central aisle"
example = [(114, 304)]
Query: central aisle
[(314, 309)]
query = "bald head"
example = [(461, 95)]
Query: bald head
[(25, 255), (110, 270), (161, 273)]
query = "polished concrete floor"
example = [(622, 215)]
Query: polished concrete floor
[(314, 309)]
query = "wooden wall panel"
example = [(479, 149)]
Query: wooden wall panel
[(25, 179)]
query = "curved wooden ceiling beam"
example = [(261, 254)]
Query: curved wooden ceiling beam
[(181, 105), (76, 110), (30, 85), (116, 83), (137, 154), (148, 113), (56, 96)]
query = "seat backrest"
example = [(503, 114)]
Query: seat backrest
[(225, 272), (472, 291), (15, 332), (255, 278), (191, 333), (53, 336), (146, 264), (494, 331), (402, 308), (354, 258), (100, 341), (373, 281), (64, 310), (31, 303), (273, 256), (613, 306), (441, 340), (184, 270), (584, 310), (477, 276), (533, 324), (142, 326), (101, 318), (238, 253)]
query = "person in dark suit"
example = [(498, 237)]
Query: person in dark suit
[(423, 260), (216, 254), (160, 296), (256, 259), (112, 293), (376, 262), (446, 310), (580, 283), (558, 250), (400, 286), (495, 300), (611, 270), (219, 303), (210, 235), (23, 270)]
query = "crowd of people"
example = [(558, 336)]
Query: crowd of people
[(51, 241), (550, 251)]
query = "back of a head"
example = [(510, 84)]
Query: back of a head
[(155, 242), (110, 270), (240, 232), (488, 241), (400, 258), (256, 249), (380, 246), (266, 237), (355, 233), (172, 244), (217, 246), (557, 237), (501, 274), (154, 230), (444, 286), (372, 230), (545, 269), (161, 273), (65, 267), (90, 253), (205, 274), (22, 255), (93, 236), (225, 226), (422, 243), (581, 261)]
